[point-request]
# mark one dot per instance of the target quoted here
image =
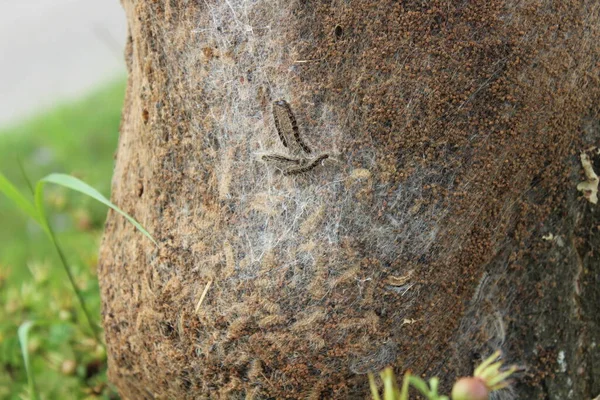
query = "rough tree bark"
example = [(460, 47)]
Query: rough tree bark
[(453, 130)]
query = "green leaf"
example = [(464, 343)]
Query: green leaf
[(24, 342), (390, 388), (420, 385), (82, 187), (373, 386), (17, 197), (404, 390)]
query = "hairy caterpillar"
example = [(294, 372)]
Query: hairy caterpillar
[(280, 159), (287, 127), (307, 167)]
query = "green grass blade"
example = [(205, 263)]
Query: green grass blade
[(17, 197), (404, 390), (82, 187), (24, 175), (420, 385), (390, 387), (24, 342), (373, 386)]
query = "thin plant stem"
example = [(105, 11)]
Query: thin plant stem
[(78, 294), (63, 260)]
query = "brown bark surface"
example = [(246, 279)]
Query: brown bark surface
[(453, 131)]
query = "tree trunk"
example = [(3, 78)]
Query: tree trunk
[(420, 210)]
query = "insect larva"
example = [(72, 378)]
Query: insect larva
[(306, 168), (286, 125), (278, 124), (280, 159)]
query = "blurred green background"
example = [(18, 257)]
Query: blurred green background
[(77, 138)]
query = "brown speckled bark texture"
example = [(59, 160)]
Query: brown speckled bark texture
[(444, 224)]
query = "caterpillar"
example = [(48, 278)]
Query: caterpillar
[(287, 127), (280, 159), (307, 167)]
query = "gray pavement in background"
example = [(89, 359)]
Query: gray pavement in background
[(55, 50)]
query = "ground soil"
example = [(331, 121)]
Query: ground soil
[(454, 132)]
